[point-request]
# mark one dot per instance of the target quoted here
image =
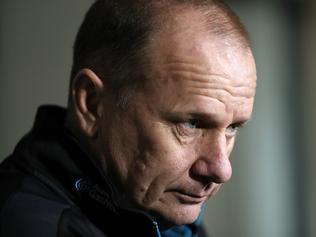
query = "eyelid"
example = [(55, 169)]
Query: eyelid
[(202, 122), (238, 124), (188, 131), (235, 126)]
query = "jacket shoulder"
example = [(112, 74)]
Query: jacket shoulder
[(25, 214), (28, 215), (30, 208)]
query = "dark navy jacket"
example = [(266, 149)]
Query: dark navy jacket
[(49, 187)]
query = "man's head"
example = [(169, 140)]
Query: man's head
[(159, 89)]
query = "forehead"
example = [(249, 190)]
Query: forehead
[(187, 32), (197, 70)]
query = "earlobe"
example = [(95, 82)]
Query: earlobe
[(87, 90)]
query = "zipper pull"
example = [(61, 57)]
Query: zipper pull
[(156, 229)]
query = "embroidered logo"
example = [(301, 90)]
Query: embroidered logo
[(95, 192)]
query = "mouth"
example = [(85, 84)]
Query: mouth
[(188, 198)]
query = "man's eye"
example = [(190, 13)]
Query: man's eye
[(188, 128), (191, 124), (232, 129)]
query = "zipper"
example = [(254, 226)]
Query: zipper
[(156, 229)]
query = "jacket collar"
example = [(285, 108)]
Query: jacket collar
[(57, 158)]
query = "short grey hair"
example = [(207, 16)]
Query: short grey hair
[(113, 37)]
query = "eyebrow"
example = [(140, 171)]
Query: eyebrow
[(206, 118)]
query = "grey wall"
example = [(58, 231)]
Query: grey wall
[(36, 38), (308, 123), (262, 198), (272, 190)]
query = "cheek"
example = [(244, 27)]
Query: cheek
[(165, 156), (158, 166), (119, 148), (157, 162)]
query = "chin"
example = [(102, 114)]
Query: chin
[(177, 216)]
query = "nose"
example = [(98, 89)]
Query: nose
[(212, 163)]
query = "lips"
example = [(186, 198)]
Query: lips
[(188, 197), (194, 195)]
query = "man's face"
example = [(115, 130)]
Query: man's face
[(168, 151)]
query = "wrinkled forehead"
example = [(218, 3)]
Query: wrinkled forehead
[(207, 52), (197, 68)]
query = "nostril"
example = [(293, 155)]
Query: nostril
[(211, 172), (199, 171), (204, 180)]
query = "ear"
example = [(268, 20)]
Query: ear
[(87, 91)]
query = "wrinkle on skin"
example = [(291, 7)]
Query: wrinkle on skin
[(196, 81), (228, 92), (181, 140), (194, 67), (223, 97), (201, 78)]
